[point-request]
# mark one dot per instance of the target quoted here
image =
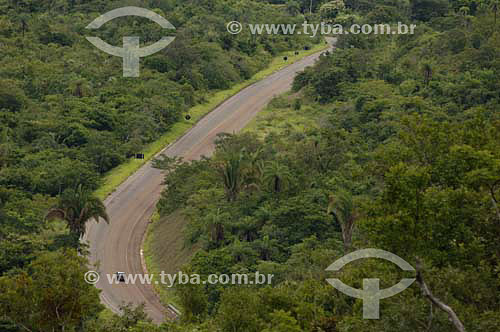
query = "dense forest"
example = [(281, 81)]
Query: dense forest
[(388, 142), (67, 114)]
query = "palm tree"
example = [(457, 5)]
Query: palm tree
[(215, 227), (494, 8), (254, 171), (344, 213), (427, 70), (231, 171), (266, 247), (464, 12), (5, 148), (277, 175), (293, 7), (76, 207)]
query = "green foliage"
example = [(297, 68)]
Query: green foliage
[(51, 296), (233, 318), (131, 319), (66, 104), (12, 98), (398, 150), (68, 117), (282, 321), (424, 10), (76, 207), (396, 147), (330, 10)]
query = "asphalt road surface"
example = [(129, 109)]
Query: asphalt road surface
[(117, 246)]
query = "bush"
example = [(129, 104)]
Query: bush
[(424, 10), (11, 97)]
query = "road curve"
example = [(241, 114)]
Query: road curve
[(117, 246)]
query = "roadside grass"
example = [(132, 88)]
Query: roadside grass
[(106, 314), (122, 172), (275, 119), (164, 250)]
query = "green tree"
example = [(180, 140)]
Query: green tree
[(12, 98), (240, 311), (293, 7), (332, 9), (427, 71), (76, 207), (51, 295), (5, 148), (424, 10), (494, 8), (277, 175), (282, 321), (231, 171), (193, 300), (343, 210), (130, 319), (215, 226)]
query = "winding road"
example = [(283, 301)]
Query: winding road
[(117, 246)]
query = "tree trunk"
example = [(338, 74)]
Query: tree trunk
[(277, 184), (494, 200), (434, 300), (347, 230)]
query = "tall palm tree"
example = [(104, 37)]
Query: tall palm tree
[(253, 171), (494, 7), (427, 70), (266, 247), (231, 171), (4, 148), (277, 175), (464, 12), (215, 227), (344, 213), (76, 207)]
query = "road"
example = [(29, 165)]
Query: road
[(117, 246)]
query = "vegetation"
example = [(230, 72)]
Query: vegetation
[(389, 142), (69, 120), (68, 117), (76, 207)]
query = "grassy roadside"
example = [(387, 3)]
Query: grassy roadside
[(164, 250), (281, 116), (121, 173), (151, 264)]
